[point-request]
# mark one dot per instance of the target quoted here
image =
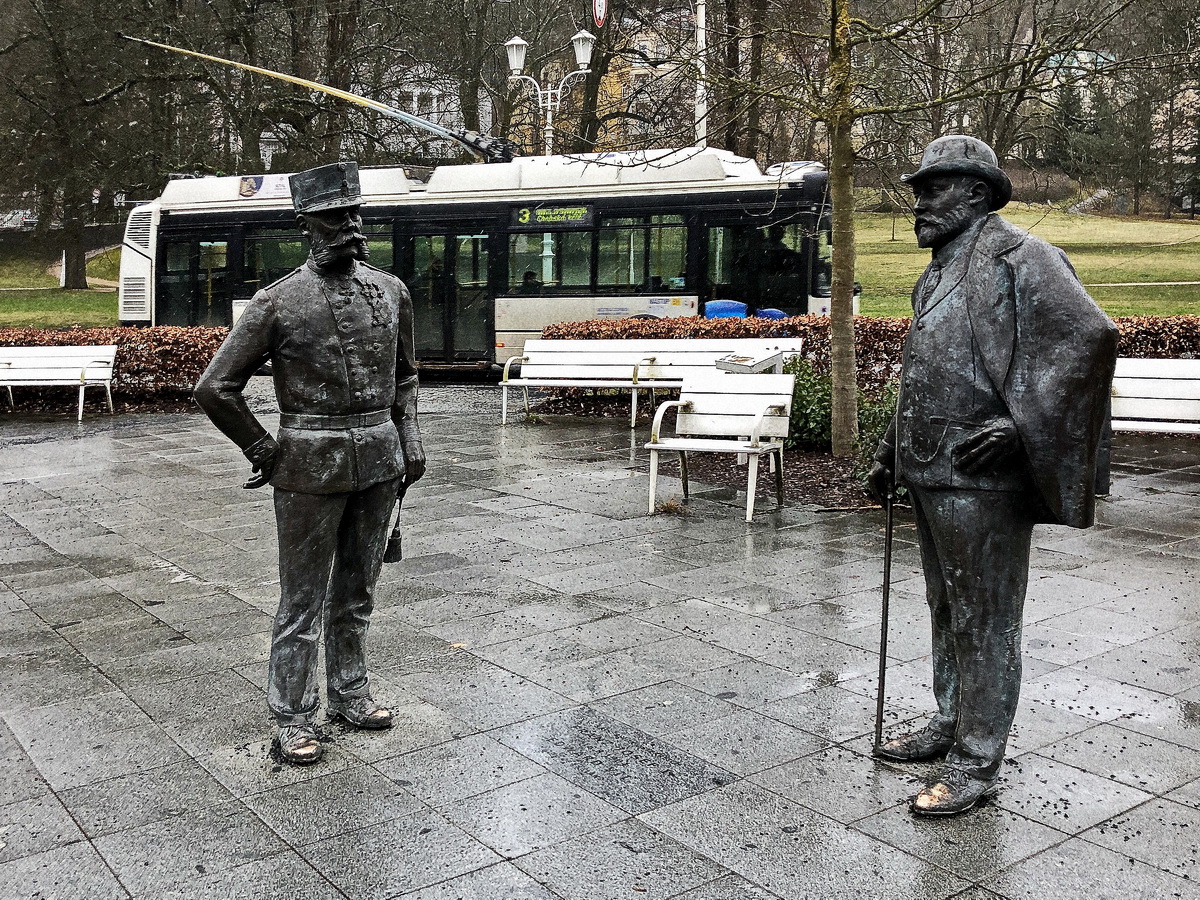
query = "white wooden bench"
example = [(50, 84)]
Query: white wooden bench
[(632, 365), (725, 413), (58, 367), (1156, 395)]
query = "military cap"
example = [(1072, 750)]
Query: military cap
[(326, 187), (957, 154)]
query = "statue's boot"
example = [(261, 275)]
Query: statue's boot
[(917, 746), (954, 792), (299, 745), (361, 712)]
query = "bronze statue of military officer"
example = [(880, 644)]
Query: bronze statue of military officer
[(1007, 370), (339, 336)]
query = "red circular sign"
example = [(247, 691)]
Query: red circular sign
[(599, 11)]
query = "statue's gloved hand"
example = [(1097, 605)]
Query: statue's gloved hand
[(881, 482), (993, 443), (414, 462), (263, 454)]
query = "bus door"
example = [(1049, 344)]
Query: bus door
[(194, 283), (451, 303)]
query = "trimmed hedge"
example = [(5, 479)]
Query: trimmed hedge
[(878, 341), (162, 363)]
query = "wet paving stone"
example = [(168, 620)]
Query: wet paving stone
[(532, 814), (1160, 832), (503, 880), (32, 826), (1133, 759), (154, 856), (793, 852), (284, 874), (398, 856), (623, 860), (449, 772), (612, 760), (1080, 869), (75, 870), (1064, 797), (128, 801)]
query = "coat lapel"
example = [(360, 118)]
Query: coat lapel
[(990, 297)]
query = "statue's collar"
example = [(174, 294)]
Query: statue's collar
[(327, 273), (961, 244)]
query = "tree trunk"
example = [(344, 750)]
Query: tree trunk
[(841, 194), (733, 72)]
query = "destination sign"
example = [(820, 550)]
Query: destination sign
[(538, 218)]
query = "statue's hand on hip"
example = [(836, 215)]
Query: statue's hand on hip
[(990, 445), (262, 455)]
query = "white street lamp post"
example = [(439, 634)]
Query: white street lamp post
[(549, 99)]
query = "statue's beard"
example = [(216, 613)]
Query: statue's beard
[(937, 231), (345, 247)]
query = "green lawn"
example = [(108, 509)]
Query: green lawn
[(55, 308), (1103, 250)]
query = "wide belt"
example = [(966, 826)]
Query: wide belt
[(307, 422)]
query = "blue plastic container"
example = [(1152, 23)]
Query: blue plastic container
[(769, 313), (724, 309)]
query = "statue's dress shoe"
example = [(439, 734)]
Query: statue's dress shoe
[(299, 745), (954, 792), (361, 712), (916, 746)]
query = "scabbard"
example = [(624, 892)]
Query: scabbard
[(393, 553)]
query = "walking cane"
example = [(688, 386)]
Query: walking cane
[(393, 553), (888, 504)]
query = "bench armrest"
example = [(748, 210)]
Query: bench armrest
[(94, 362), (662, 411), (508, 365), (637, 365), (755, 434)]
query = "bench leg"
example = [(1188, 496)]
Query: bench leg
[(504, 404), (11, 405), (683, 472), (751, 486), (525, 394), (777, 465), (633, 409), (81, 387), (108, 393), (653, 479)]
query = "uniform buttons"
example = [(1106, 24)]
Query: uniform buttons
[(374, 368), (358, 393)]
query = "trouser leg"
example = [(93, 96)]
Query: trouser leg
[(308, 534), (361, 540), (945, 664), (984, 540)]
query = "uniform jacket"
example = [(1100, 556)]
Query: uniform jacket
[(1050, 352), (338, 347)]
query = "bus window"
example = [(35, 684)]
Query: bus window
[(556, 260), (271, 254), (379, 243), (823, 274), (642, 254), (760, 266)]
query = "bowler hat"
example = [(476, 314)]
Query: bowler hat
[(957, 154), (326, 187)]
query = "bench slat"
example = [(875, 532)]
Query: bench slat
[(1127, 367), (1151, 408), (702, 445), (673, 345), (735, 404), (102, 351), (714, 382), (1168, 388), (1148, 426), (739, 426)]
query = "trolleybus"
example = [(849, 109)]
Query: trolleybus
[(494, 253)]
